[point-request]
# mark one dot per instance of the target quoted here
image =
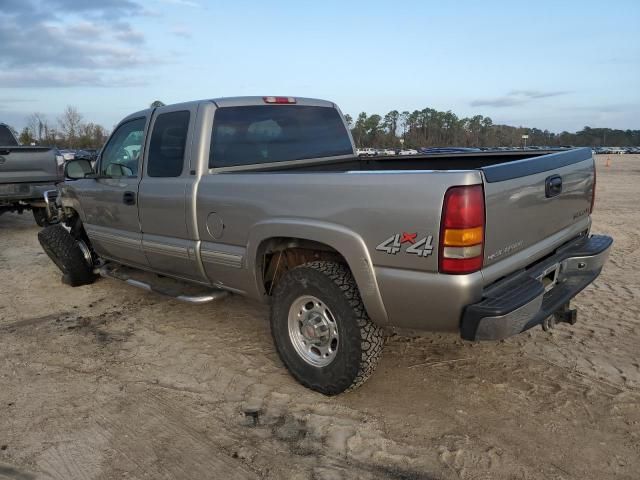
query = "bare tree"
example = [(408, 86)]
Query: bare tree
[(38, 125), (70, 123)]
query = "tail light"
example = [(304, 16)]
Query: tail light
[(593, 194), (462, 230), (279, 100)]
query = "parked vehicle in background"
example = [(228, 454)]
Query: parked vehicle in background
[(265, 197), (67, 154), (26, 173), (432, 150), (385, 151), (408, 151), (617, 150), (7, 139), (87, 153), (366, 152)]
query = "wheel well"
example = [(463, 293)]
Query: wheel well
[(278, 255), (74, 223)]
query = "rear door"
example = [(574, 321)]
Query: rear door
[(110, 202), (166, 193), (536, 204)]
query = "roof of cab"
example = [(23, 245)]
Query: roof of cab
[(255, 100), (234, 102)]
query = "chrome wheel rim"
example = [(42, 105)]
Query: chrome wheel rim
[(86, 253), (313, 331)]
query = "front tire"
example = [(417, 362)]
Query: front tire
[(66, 253), (321, 329)]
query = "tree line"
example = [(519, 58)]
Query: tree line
[(433, 128), (420, 128), (70, 130)]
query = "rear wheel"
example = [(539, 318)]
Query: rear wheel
[(72, 256), (321, 329)]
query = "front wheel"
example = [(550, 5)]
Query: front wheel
[(71, 256), (321, 329)]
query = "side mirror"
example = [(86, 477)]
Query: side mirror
[(77, 169)]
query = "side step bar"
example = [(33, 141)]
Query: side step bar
[(209, 296)]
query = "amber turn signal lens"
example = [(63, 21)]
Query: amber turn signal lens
[(463, 237)]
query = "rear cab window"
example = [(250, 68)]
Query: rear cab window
[(249, 135)]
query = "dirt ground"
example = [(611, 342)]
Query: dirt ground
[(107, 381)]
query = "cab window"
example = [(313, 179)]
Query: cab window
[(167, 145), (121, 156)]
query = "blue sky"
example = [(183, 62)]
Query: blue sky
[(550, 64)]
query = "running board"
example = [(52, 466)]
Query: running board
[(120, 273)]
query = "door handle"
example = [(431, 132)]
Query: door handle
[(129, 198), (553, 186)]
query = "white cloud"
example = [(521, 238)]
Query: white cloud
[(516, 97), (47, 38), (181, 31), (184, 3)]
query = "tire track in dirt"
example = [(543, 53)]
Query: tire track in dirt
[(328, 440)]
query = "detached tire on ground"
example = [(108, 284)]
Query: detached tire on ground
[(321, 329), (66, 253)]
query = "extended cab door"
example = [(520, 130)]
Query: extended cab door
[(166, 194), (110, 201)]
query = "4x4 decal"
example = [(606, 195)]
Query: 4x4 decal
[(393, 244)]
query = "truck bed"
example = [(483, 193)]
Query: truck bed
[(515, 160)]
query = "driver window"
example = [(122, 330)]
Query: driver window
[(121, 156)]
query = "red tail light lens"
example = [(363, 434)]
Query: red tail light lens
[(462, 230), (279, 100)]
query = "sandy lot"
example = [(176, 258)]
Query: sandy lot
[(107, 381)]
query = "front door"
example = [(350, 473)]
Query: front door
[(111, 206)]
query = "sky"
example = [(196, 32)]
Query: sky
[(558, 65)]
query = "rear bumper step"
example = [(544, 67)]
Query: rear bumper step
[(526, 299)]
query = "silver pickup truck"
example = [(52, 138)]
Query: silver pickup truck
[(26, 173), (265, 197)]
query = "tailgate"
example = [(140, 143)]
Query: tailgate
[(530, 200), (28, 165)]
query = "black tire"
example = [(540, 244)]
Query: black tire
[(40, 216), (360, 341), (65, 252)]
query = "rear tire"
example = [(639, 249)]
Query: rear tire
[(332, 297), (66, 253), (40, 216)]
